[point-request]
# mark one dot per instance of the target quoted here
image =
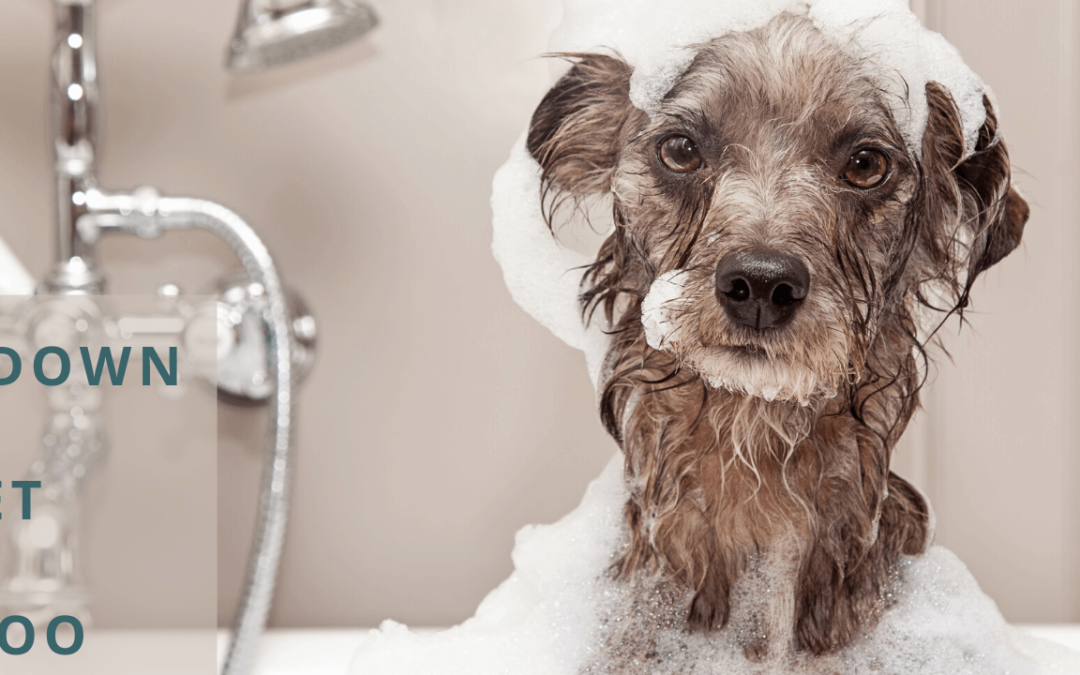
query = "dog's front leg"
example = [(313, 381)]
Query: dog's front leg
[(867, 521)]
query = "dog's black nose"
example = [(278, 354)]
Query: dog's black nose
[(761, 289)]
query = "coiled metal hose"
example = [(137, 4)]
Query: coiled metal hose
[(145, 213)]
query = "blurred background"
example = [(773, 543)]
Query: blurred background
[(440, 418)]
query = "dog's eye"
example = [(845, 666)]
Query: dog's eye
[(866, 168), (680, 154)]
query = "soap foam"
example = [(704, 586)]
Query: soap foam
[(660, 305), (543, 276), (540, 621), (559, 611), (658, 39)]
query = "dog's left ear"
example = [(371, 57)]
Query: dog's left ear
[(576, 130), (977, 190)]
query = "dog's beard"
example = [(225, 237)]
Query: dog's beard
[(764, 370)]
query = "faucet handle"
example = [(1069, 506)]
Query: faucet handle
[(243, 370)]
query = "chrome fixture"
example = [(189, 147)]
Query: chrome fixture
[(270, 32), (241, 366), (73, 99), (266, 336), (43, 575)]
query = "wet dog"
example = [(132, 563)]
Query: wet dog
[(780, 259)]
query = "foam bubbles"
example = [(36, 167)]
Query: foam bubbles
[(907, 56), (539, 621), (540, 273), (559, 614), (657, 39), (664, 296), (543, 276)]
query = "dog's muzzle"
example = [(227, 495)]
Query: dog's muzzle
[(761, 289)]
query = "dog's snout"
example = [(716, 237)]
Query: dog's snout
[(761, 289)]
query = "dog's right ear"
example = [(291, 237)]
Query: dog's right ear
[(575, 132)]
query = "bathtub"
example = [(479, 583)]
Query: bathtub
[(328, 652), (282, 652)]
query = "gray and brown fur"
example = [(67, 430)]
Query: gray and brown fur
[(719, 476)]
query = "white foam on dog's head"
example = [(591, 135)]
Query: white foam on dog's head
[(658, 38), (543, 276)]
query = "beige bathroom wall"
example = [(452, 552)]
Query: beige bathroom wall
[(440, 418), (1002, 426)]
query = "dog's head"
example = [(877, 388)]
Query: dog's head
[(771, 222)]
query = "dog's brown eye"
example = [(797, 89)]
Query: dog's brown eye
[(866, 168), (680, 154)]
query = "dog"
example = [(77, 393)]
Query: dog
[(779, 263)]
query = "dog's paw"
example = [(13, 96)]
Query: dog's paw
[(710, 607)]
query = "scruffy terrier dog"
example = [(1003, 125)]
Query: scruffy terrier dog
[(812, 255)]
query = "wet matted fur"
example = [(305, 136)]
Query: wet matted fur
[(744, 443)]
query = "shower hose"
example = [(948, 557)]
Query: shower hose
[(147, 214)]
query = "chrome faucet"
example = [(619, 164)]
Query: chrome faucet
[(271, 334)]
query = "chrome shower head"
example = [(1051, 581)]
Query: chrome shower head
[(270, 34)]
